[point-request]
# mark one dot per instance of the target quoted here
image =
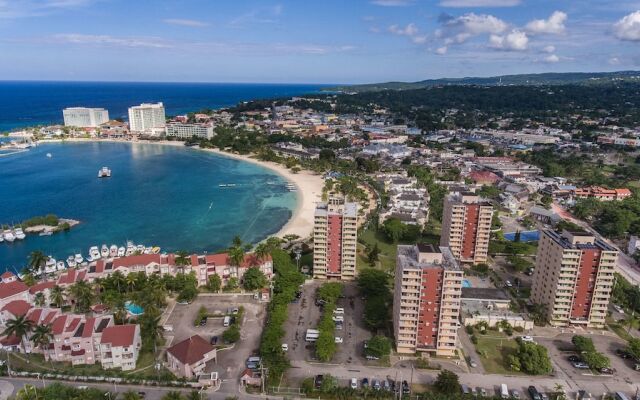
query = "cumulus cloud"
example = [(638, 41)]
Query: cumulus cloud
[(628, 28), (552, 59), (442, 50), (456, 30), (185, 22), (409, 30), (549, 49), (553, 25), (479, 3), (513, 41)]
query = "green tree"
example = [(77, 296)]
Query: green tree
[(151, 330), (447, 382), (254, 279), (634, 347), (42, 336), (325, 346), (173, 395), (372, 282), (232, 284), (263, 250), (214, 283), (583, 344), (534, 359), (373, 255), (376, 312), (379, 346), (82, 294), (596, 360), (394, 229), (39, 299), (19, 327), (232, 334), (37, 259), (57, 296), (182, 258)]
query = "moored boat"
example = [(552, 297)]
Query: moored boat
[(78, 258), (19, 233), (121, 251), (9, 236), (104, 251), (71, 261), (60, 265), (113, 250)]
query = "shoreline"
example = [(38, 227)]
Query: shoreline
[(309, 185)]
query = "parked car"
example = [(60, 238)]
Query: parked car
[(318, 381), (607, 371), (473, 364), (515, 394), (533, 392), (365, 382), (285, 347), (385, 385), (354, 383), (623, 354), (465, 389), (618, 308), (526, 338), (574, 359), (405, 387), (338, 339), (214, 340), (508, 284), (481, 392), (370, 357), (584, 395), (375, 384), (580, 365)]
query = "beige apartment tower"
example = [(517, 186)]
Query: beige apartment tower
[(466, 225), (573, 278), (335, 234), (426, 300)]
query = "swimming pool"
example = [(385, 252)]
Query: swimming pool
[(525, 236), (133, 309), (466, 283)]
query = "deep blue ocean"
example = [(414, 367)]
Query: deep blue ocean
[(158, 195), (36, 103)]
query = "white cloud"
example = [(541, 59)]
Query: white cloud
[(260, 15), (614, 61), (392, 3), (442, 50), (549, 49), (474, 24), (10, 9), (513, 41), (553, 25), (552, 59), (419, 39), (478, 3), (185, 22), (409, 30), (628, 28), (131, 42)]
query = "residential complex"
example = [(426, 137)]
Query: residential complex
[(466, 225), (83, 117), (185, 131), (426, 303), (335, 234), (189, 358), (408, 202), (573, 278), (147, 119)]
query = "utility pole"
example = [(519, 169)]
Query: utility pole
[(411, 382)]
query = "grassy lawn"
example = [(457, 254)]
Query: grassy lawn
[(620, 329), (388, 250), (494, 351)]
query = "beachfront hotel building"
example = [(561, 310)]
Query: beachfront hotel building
[(335, 234), (147, 119), (573, 278), (426, 300), (84, 117), (466, 225), (187, 131)]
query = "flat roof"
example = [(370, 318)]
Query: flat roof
[(493, 294)]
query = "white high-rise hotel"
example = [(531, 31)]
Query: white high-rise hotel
[(147, 119), (84, 117)]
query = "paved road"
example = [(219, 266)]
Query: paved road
[(626, 265)]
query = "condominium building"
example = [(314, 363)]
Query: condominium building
[(573, 278), (335, 233), (466, 225), (426, 303), (147, 119), (83, 117), (188, 131), (120, 346)]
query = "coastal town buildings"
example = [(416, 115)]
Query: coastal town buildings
[(466, 225), (186, 131), (573, 278), (147, 119), (602, 194), (119, 346), (189, 358), (84, 117), (407, 202), (335, 234), (426, 302)]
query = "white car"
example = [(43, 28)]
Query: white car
[(337, 318), (285, 347), (339, 339), (338, 310), (618, 308), (354, 383), (526, 339)]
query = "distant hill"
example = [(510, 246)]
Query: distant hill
[(581, 78)]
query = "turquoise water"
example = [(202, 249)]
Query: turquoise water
[(526, 236), (134, 309), (158, 195), (466, 283)]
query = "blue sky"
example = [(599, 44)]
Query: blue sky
[(329, 41)]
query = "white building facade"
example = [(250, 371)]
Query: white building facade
[(84, 117), (148, 119), (188, 131)]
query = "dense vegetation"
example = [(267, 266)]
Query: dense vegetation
[(326, 345), (611, 218), (374, 287)]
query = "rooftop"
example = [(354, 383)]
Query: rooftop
[(423, 256), (191, 350)]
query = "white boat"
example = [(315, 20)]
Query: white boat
[(104, 251), (121, 252), (19, 233), (9, 236), (140, 248), (1, 238), (71, 261), (48, 155), (50, 265), (45, 233), (104, 173), (148, 250), (130, 250), (90, 258), (60, 265), (78, 258), (113, 250), (94, 253)]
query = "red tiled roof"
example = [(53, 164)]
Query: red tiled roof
[(17, 307), (250, 260), (9, 289), (141, 259), (77, 352), (87, 331), (119, 335), (7, 275), (47, 320), (247, 372), (484, 176), (42, 286), (34, 315), (99, 308), (191, 350), (73, 325), (10, 341), (58, 324)]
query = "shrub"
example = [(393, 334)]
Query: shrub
[(469, 329)]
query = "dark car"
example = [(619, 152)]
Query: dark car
[(318, 381), (574, 359), (298, 294), (533, 392), (365, 382), (623, 354), (142, 394), (214, 340), (607, 371), (405, 387), (203, 322)]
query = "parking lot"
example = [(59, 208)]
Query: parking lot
[(230, 362), (304, 314)]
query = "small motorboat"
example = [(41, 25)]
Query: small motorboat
[(113, 250), (78, 258), (104, 251), (104, 173), (71, 262), (140, 249), (155, 250), (121, 251), (60, 265), (19, 233)]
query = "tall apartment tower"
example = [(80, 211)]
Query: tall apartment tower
[(573, 278), (335, 234), (147, 119), (84, 117), (466, 225), (426, 300)]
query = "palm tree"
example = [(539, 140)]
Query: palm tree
[(57, 296), (36, 260), (237, 241), (42, 337), (236, 256), (262, 251), (153, 330), (18, 327), (181, 260), (131, 280), (173, 395), (194, 395), (39, 299), (28, 392), (83, 295)]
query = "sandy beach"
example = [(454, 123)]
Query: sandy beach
[(309, 185)]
